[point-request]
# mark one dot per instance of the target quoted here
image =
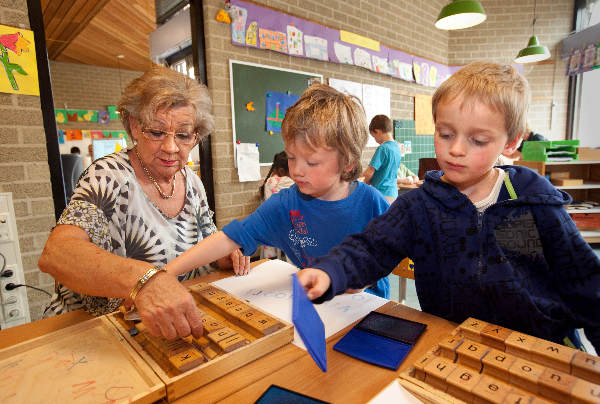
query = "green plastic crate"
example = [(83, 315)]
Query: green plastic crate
[(542, 150)]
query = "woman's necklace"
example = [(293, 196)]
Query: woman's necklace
[(160, 191)]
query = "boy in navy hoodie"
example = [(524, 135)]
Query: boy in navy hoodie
[(494, 243)]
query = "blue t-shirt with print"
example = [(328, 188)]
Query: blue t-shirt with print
[(386, 161), (306, 228)]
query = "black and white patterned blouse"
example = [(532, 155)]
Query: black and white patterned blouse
[(110, 205)]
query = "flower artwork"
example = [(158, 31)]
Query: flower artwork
[(18, 73)]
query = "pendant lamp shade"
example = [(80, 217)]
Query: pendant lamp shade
[(534, 52), (460, 14)]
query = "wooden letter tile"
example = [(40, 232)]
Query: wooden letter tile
[(264, 325), (585, 392), (449, 345), (520, 344), (490, 390), (237, 310), (211, 324), (436, 372), (586, 366), (232, 343), (553, 355), (221, 334), (494, 336), (556, 385), (496, 363), (186, 360), (471, 328), (419, 365), (517, 397), (470, 354), (525, 374), (461, 383)]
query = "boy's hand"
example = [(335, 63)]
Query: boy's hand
[(241, 263), (314, 281)]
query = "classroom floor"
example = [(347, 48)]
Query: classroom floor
[(413, 301)]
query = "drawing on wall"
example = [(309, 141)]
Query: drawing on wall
[(276, 105), (294, 36), (60, 115), (252, 34), (433, 76), (272, 40), (417, 71), (380, 64), (402, 70), (362, 58), (17, 55), (238, 23), (315, 47), (343, 53)]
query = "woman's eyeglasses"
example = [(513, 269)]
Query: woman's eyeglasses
[(181, 138)]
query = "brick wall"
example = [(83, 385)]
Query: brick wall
[(505, 32), (24, 169)]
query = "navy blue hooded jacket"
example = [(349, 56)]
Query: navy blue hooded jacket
[(521, 264)]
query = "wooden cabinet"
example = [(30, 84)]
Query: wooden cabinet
[(588, 171)]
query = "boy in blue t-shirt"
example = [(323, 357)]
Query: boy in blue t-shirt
[(324, 135), (494, 243), (383, 168)]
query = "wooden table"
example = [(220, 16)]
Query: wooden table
[(347, 380)]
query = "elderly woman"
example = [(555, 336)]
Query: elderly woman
[(137, 209)]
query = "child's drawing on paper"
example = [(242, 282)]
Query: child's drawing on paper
[(315, 47), (272, 40), (362, 58), (343, 53), (252, 34), (17, 44), (380, 65), (294, 37), (238, 23), (402, 70)]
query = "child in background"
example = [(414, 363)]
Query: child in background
[(324, 134), (492, 243), (406, 177), (383, 168), (277, 179)]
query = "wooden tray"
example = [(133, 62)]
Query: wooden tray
[(179, 384), (84, 363)]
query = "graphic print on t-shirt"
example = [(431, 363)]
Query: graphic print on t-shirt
[(299, 237)]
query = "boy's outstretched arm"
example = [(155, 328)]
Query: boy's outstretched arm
[(314, 281), (206, 251)]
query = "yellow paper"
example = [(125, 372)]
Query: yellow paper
[(423, 115), (18, 70), (359, 40)]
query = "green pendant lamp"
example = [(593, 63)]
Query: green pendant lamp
[(533, 52), (460, 14)]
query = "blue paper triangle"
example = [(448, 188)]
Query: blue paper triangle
[(309, 324)]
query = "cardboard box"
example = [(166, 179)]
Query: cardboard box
[(586, 221), (566, 181), (589, 153)]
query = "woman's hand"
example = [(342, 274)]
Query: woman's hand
[(168, 309), (314, 281), (241, 263)]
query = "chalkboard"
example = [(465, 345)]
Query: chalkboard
[(250, 83)]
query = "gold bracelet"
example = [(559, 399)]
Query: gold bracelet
[(143, 280)]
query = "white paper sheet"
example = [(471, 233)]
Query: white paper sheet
[(376, 100), (248, 163), (394, 393), (269, 287)]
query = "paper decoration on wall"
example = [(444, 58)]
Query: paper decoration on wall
[(250, 107), (348, 87), (17, 55), (433, 76), (97, 134), (272, 40), (90, 115), (315, 47), (359, 40), (72, 116), (343, 53), (222, 16), (103, 117), (362, 58), (589, 57), (276, 105), (60, 115), (583, 60), (407, 146), (85, 134), (423, 116), (252, 34), (238, 23), (112, 112), (402, 70), (376, 100), (295, 40), (61, 137), (380, 65), (73, 134), (247, 158)]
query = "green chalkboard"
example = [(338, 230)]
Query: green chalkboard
[(250, 83)]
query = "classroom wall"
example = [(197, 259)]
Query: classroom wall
[(407, 25), (24, 170)]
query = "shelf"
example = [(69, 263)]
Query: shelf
[(593, 210), (574, 162), (591, 236), (586, 185)]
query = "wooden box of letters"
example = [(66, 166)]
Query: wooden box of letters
[(110, 359)]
